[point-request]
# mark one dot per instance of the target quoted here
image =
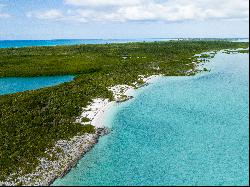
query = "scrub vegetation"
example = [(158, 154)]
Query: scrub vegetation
[(32, 121)]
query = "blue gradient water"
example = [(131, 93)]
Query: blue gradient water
[(177, 131), (29, 43), (19, 84)]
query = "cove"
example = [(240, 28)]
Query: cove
[(177, 131), (20, 84)]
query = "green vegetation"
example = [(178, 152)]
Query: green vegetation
[(32, 121), (236, 51), (205, 69), (243, 51), (84, 119), (205, 56)]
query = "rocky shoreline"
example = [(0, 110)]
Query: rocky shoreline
[(66, 153), (62, 158)]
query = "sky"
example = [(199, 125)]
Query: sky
[(114, 19)]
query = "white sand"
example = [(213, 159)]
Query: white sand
[(120, 90), (98, 119), (95, 112), (73, 149)]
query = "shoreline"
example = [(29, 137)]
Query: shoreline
[(95, 111), (119, 91), (101, 106), (98, 115), (59, 160), (66, 153)]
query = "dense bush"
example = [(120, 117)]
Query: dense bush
[(32, 121)]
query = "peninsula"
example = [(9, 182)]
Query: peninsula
[(45, 132)]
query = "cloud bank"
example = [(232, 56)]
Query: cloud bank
[(146, 10), (52, 14)]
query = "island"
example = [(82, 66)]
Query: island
[(45, 132)]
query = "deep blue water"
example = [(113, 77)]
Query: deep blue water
[(19, 84), (28, 43), (177, 131)]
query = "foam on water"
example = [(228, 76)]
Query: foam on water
[(177, 131)]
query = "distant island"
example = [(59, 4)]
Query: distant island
[(45, 132)]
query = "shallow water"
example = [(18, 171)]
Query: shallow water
[(177, 131), (19, 84)]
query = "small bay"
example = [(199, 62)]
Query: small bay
[(177, 131), (11, 85)]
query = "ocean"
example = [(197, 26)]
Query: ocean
[(30, 43), (176, 131)]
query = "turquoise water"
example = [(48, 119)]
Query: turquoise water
[(177, 131), (29, 43), (19, 84)]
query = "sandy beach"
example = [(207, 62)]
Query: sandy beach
[(95, 112), (71, 151)]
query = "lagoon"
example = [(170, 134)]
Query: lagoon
[(177, 131), (11, 85)]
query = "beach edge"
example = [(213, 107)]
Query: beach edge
[(71, 151)]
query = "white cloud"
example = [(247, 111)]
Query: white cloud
[(174, 10), (149, 10), (98, 3), (52, 14), (2, 5), (3, 14)]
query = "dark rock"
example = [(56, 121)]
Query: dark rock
[(103, 131)]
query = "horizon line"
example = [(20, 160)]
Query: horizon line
[(124, 38)]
